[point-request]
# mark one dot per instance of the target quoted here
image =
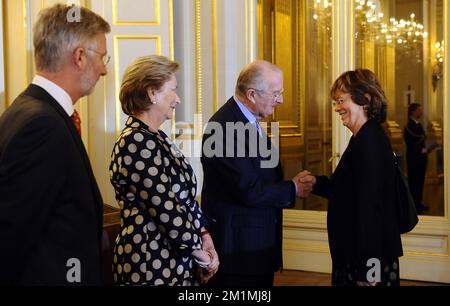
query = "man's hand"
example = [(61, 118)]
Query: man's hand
[(305, 183)]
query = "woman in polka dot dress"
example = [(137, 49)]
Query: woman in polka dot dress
[(163, 238)]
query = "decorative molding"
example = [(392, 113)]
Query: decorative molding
[(214, 50), (446, 119), (251, 45), (198, 57), (156, 22), (171, 42), (117, 78), (172, 57), (2, 59)]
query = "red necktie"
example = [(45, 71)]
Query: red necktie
[(76, 120)]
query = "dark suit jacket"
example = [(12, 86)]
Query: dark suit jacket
[(51, 208), (246, 201), (414, 136), (362, 222)]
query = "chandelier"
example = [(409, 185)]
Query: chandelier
[(373, 26), (322, 14), (322, 9)]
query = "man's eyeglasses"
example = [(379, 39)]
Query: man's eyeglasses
[(273, 96), (105, 58)]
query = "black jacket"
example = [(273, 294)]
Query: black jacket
[(362, 221), (414, 136), (246, 201), (51, 208)]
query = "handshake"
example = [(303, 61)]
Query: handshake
[(305, 183)]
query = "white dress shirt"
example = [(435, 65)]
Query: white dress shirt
[(59, 94)]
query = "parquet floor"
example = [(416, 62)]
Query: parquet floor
[(302, 278)]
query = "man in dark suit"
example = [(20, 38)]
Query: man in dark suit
[(243, 188), (51, 208), (416, 154)]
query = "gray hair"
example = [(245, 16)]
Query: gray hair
[(253, 76), (56, 35)]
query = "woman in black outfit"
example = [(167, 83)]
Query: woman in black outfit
[(363, 234)]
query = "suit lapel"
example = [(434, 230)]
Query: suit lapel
[(42, 95), (267, 142)]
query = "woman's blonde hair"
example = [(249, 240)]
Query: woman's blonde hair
[(146, 72)]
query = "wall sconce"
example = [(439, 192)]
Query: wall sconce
[(437, 68)]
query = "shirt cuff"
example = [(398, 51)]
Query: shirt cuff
[(296, 188)]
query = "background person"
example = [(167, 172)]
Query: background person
[(416, 154)]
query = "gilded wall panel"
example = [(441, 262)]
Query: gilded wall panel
[(284, 58), (136, 12), (291, 37), (126, 49)]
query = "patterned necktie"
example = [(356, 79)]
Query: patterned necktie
[(76, 120)]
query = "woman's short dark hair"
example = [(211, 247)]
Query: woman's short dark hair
[(146, 72), (359, 83)]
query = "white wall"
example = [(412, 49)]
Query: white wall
[(184, 48)]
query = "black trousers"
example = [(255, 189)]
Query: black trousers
[(417, 167), (235, 280)]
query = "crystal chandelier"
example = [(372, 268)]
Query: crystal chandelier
[(404, 34), (321, 9), (322, 13), (372, 25)]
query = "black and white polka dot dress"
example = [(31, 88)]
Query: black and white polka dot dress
[(160, 219)]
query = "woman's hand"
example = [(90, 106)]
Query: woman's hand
[(202, 256), (208, 246)]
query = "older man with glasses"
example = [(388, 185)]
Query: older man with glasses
[(245, 197)]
